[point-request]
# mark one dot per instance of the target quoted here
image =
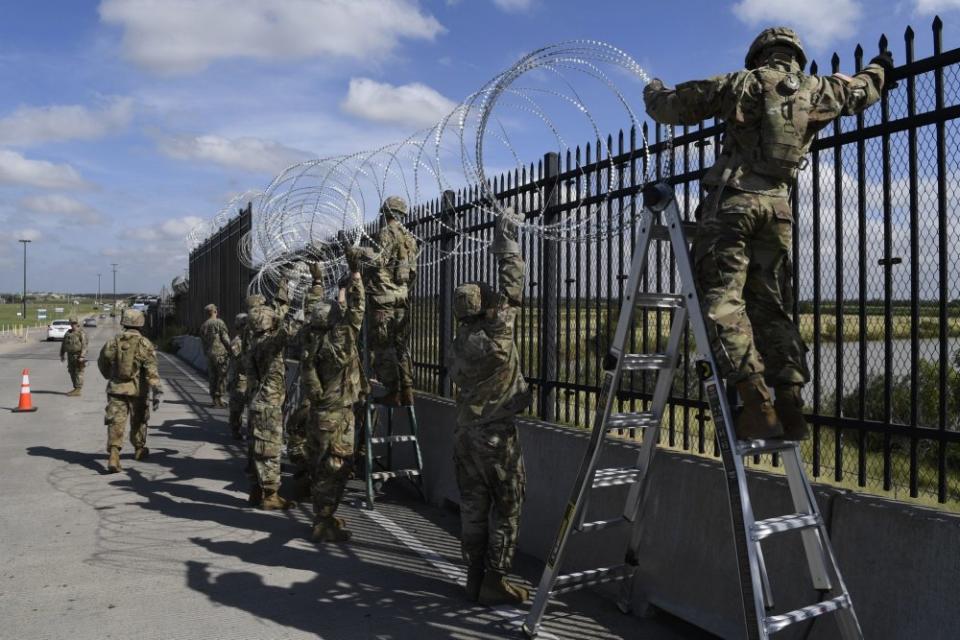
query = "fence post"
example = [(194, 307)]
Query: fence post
[(447, 211), (549, 289)]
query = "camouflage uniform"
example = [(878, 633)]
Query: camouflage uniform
[(742, 253), (216, 346), (74, 349), (129, 363), (237, 378), (388, 280), (485, 365), (334, 383)]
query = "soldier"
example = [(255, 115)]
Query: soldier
[(73, 349), (742, 253), (485, 365), (335, 383), (388, 278), (216, 346), (237, 376), (129, 363), (266, 388)]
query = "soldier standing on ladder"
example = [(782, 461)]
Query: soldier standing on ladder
[(742, 253)]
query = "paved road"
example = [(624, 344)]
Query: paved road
[(168, 548)]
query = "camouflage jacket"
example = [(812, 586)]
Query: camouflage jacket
[(389, 277), (215, 337), (74, 343), (129, 363), (484, 362), (236, 376), (265, 363), (739, 100), (333, 372)]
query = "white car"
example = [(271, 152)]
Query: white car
[(57, 329)]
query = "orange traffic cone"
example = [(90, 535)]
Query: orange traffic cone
[(26, 404)]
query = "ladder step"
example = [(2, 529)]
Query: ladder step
[(399, 473), (581, 579), (776, 623), (766, 528), (757, 447), (634, 420), (646, 361), (659, 300), (615, 476), (391, 439), (598, 525)]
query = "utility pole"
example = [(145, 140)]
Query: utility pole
[(114, 265), (98, 292), (24, 300)]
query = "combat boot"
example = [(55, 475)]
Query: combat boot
[(789, 406), (330, 529), (141, 453), (113, 465), (474, 580), (74, 393), (757, 419), (256, 495), (496, 589), (406, 397), (273, 502)]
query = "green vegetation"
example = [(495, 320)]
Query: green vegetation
[(8, 312)]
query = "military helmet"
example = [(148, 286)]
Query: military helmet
[(255, 300), (210, 308), (472, 298), (784, 36), (74, 320), (395, 206), (132, 318), (262, 319), (240, 320)]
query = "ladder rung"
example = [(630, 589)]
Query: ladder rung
[(645, 361), (615, 476), (659, 300), (399, 473), (661, 232), (776, 623), (766, 528), (598, 525), (392, 439), (635, 420), (590, 577), (757, 447)]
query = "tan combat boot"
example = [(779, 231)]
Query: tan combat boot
[(273, 502), (141, 453), (474, 580), (74, 393), (330, 529), (113, 465), (789, 406), (757, 419), (406, 397), (496, 589)]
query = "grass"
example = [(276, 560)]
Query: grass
[(9, 318)]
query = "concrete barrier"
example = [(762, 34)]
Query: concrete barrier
[(901, 563), (190, 349)]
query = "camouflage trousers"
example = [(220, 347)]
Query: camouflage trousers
[(266, 429), (389, 335), (492, 482), (217, 373), (744, 271), (120, 409), (298, 442), (331, 458), (75, 366), (238, 402)]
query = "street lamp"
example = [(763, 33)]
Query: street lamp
[(98, 291), (24, 300), (114, 265)]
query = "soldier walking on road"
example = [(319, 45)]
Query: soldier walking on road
[(73, 349), (388, 279), (485, 365), (742, 253), (216, 346), (335, 383), (237, 377), (129, 363)]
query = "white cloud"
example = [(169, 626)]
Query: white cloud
[(60, 205), (819, 22), (183, 36), (172, 229), (27, 234), (412, 104), (35, 125), (928, 7), (18, 170), (248, 154), (513, 6)]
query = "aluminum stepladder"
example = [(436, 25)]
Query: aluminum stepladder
[(756, 592), (385, 471)]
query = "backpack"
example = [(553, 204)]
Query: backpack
[(406, 257), (125, 365), (72, 342), (782, 149)]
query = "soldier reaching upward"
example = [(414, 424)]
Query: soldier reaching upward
[(237, 376), (742, 253)]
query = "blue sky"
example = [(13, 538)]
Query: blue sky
[(123, 123)]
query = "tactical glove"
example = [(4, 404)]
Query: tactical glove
[(506, 233), (316, 271), (885, 60), (155, 402)]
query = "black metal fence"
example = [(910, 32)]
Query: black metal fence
[(217, 275), (877, 281)]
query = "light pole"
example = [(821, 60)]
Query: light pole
[(24, 300), (98, 292), (114, 265)]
